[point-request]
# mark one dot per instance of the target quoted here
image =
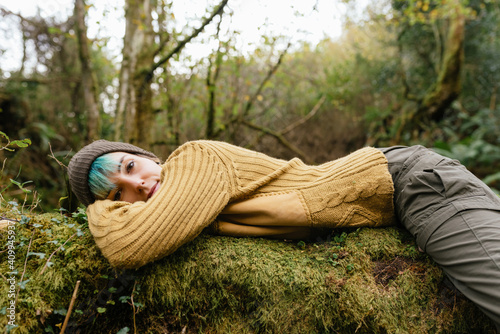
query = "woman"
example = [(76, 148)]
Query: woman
[(140, 211)]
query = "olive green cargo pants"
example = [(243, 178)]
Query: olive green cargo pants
[(455, 218)]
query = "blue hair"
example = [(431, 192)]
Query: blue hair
[(99, 173)]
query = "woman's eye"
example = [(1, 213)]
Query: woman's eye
[(130, 165), (118, 195)]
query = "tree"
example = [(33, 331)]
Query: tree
[(139, 66), (449, 58), (137, 56), (88, 81)]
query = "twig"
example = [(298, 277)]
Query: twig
[(73, 298), (34, 202), (301, 121), (24, 269), (24, 202), (11, 219), (54, 157), (50, 257), (133, 305), (269, 74), (3, 164), (279, 136)]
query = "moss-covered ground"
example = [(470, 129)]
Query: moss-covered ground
[(349, 281)]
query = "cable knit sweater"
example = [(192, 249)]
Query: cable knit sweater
[(202, 178)]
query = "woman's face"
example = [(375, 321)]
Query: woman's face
[(137, 178)]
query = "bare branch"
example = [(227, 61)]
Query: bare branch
[(133, 306), (301, 121), (50, 257), (72, 302), (218, 10), (279, 136), (270, 73), (51, 155), (24, 269)]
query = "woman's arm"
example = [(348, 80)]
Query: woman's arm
[(232, 229), (194, 190)]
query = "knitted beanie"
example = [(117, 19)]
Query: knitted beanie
[(79, 166)]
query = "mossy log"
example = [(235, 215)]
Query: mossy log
[(448, 84), (363, 281)]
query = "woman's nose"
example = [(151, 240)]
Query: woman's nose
[(136, 183), (140, 185)]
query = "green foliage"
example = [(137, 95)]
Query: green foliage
[(45, 264), (419, 64), (10, 145), (44, 101), (369, 77), (365, 280), (473, 140)]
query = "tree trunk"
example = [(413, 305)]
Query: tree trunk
[(141, 89), (138, 69), (448, 83), (134, 112), (88, 80), (124, 89), (211, 86)]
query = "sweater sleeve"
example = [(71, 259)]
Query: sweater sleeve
[(193, 192)]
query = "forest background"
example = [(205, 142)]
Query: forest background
[(404, 72)]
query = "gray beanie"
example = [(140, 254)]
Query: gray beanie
[(79, 166)]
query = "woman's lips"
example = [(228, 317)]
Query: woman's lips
[(153, 190)]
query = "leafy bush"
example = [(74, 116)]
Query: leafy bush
[(475, 143), (6, 144)]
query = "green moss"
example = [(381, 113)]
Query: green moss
[(365, 280)]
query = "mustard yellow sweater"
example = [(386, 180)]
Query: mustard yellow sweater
[(202, 178)]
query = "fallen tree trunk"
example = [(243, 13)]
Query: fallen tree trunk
[(364, 280)]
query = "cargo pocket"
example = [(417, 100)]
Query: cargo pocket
[(431, 182), (458, 182), (432, 188), (423, 193)]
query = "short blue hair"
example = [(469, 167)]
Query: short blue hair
[(99, 173)]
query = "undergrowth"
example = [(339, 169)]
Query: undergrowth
[(364, 281)]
